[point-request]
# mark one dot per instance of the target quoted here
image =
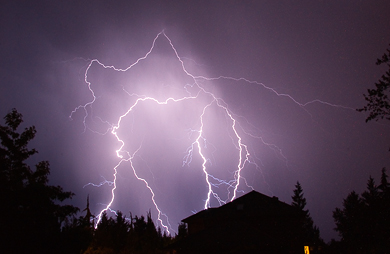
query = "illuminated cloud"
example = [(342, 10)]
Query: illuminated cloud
[(156, 110)]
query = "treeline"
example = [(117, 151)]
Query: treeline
[(114, 235), (33, 220), (363, 222)]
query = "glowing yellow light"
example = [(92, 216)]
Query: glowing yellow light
[(306, 248)]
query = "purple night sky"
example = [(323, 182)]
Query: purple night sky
[(288, 75)]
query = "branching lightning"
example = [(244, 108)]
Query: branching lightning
[(199, 140)]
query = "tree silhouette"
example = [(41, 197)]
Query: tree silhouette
[(182, 231), (384, 210), (378, 102), (364, 222), (350, 220), (77, 233), (144, 237), (384, 186), (31, 212), (127, 235), (298, 200), (311, 232)]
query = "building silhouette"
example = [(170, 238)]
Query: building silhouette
[(252, 223)]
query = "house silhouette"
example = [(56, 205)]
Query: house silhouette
[(252, 223)]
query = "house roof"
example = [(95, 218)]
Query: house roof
[(248, 224), (251, 199)]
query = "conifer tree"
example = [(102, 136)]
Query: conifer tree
[(363, 222), (310, 231)]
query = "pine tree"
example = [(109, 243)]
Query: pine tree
[(350, 222), (298, 200), (363, 223), (310, 231), (371, 195), (384, 186)]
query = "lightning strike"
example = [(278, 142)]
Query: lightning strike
[(197, 146), (104, 182)]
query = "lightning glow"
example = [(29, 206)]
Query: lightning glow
[(208, 100)]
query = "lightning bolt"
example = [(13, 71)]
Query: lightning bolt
[(196, 92)]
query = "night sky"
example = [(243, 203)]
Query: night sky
[(290, 74)]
